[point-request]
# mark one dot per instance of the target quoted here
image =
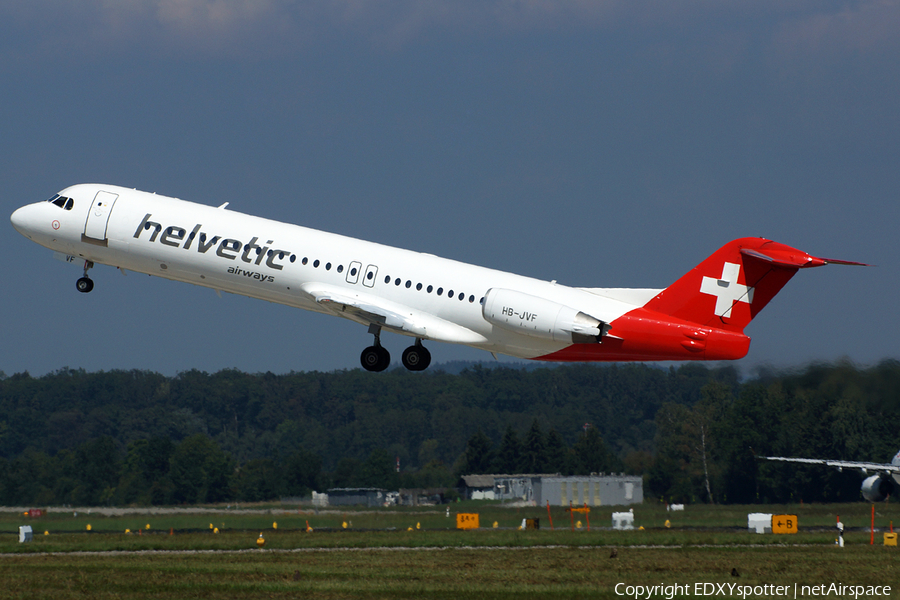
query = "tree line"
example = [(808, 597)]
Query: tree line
[(708, 451), (124, 437)]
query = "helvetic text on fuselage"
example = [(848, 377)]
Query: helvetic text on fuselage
[(227, 248)]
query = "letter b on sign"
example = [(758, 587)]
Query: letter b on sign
[(784, 523)]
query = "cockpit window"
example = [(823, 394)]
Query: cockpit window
[(62, 202)]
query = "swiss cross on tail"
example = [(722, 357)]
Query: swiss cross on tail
[(727, 290), (742, 276)]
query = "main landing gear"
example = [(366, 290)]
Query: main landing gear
[(377, 358), (416, 357), (85, 284)]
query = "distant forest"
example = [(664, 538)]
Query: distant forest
[(137, 437)]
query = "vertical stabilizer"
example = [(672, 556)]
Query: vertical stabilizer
[(728, 289)]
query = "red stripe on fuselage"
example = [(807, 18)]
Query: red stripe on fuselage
[(647, 335)]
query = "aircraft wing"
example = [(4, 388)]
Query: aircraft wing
[(864, 467), (369, 309)]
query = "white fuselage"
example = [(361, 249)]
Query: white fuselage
[(424, 296)]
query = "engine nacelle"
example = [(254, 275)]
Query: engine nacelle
[(876, 488), (539, 317)]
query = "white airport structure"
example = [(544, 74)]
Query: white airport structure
[(759, 522), (557, 490), (623, 520), (25, 534)]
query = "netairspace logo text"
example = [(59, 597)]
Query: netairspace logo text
[(736, 590)]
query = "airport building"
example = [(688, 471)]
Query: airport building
[(355, 496), (558, 490)]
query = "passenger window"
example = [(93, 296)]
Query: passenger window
[(450, 294), (316, 263), (440, 291), (304, 261), (387, 279), (327, 266), (340, 269), (408, 283), (428, 289), (461, 296), (418, 287), (471, 299), (397, 281)]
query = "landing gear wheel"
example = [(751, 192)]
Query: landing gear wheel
[(84, 285), (416, 357), (375, 358)]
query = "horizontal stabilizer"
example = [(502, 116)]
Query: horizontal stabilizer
[(794, 259), (834, 261)]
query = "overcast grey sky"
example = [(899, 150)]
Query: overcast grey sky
[(599, 143)]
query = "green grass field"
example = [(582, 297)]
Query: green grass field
[(262, 517), (378, 557)]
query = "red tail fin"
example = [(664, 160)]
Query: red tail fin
[(730, 287)]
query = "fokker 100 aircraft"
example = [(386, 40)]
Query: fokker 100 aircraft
[(875, 488), (699, 317)]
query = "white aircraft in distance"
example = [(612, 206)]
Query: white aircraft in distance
[(875, 488), (699, 317)]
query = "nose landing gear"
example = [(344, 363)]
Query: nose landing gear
[(85, 284)]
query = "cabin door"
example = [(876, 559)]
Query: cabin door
[(98, 216)]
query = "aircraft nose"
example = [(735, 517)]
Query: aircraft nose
[(18, 219), (23, 219)]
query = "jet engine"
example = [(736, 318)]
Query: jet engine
[(876, 488), (539, 317)]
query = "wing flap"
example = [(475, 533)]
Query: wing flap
[(369, 309)]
